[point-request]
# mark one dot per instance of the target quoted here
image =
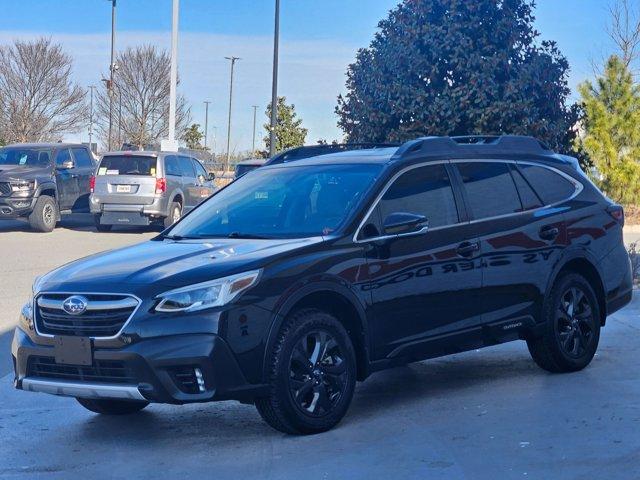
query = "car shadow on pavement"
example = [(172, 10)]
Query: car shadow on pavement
[(6, 365), (383, 392), (76, 222)]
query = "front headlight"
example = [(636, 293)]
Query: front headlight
[(26, 315), (206, 295), (23, 186)]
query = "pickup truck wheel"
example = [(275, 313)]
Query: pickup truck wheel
[(112, 407), (44, 216), (175, 213), (312, 375), (100, 227)]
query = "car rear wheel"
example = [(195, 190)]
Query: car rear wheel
[(44, 216), (572, 327), (99, 226), (112, 407), (312, 375), (175, 214)]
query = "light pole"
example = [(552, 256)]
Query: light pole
[(274, 84), (91, 88), (171, 144), (206, 121), (112, 68), (233, 62), (253, 143)]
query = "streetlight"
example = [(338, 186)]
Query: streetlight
[(112, 69), (91, 88), (253, 143), (274, 84), (170, 144), (206, 121), (233, 62)]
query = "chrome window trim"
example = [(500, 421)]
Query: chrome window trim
[(124, 325), (578, 189)]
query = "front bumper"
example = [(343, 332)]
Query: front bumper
[(154, 366), (15, 207)]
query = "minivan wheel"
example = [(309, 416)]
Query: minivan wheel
[(44, 216), (101, 227), (312, 375), (112, 407), (572, 327), (175, 214)]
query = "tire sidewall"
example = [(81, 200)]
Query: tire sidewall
[(314, 322), (37, 219), (560, 287)]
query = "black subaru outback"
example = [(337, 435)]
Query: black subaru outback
[(297, 280)]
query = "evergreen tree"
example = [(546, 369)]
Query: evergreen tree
[(289, 130)]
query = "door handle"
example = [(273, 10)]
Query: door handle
[(549, 232), (467, 249)]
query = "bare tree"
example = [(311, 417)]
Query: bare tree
[(38, 100), (624, 29), (140, 99)]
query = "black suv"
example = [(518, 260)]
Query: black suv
[(293, 282), (40, 181)]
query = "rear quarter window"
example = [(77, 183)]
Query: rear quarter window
[(550, 186), (128, 165)]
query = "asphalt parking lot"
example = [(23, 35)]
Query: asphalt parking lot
[(483, 414)]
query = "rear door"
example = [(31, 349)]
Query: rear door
[(66, 180), (126, 180), (189, 183), (520, 240), (84, 168)]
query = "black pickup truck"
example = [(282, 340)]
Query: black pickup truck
[(41, 181)]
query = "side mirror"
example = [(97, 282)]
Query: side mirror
[(66, 165), (212, 176), (402, 223)]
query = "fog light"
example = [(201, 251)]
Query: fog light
[(200, 379)]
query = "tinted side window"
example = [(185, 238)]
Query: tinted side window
[(528, 197), (200, 171), (62, 156), (186, 168), (490, 189), (424, 191), (171, 166), (82, 157), (550, 187)]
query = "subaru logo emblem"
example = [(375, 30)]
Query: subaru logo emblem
[(75, 305)]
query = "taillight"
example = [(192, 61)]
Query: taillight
[(161, 185), (617, 212), (92, 183)]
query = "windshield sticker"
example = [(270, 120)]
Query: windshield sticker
[(152, 172), (102, 171), (262, 196), (113, 172)]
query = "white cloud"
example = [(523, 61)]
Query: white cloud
[(312, 74)]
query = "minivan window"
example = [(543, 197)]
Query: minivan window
[(186, 168), (424, 191), (550, 186), (490, 189), (171, 166), (82, 157), (200, 171), (127, 165), (285, 202)]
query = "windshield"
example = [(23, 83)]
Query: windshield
[(25, 157), (127, 165), (292, 202)]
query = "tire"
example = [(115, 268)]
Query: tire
[(100, 227), (175, 213), (572, 327), (312, 375), (44, 216), (112, 407)]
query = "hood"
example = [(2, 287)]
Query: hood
[(21, 172), (167, 264)]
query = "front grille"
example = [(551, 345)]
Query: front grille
[(102, 371), (5, 189), (104, 317)]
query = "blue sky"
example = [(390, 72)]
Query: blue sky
[(319, 39)]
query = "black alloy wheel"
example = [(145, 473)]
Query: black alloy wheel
[(575, 322)]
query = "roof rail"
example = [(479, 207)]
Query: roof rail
[(478, 144)]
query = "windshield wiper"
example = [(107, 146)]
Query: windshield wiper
[(179, 237), (246, 235)]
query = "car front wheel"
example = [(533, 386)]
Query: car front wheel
[(44, 216), (312, 375)]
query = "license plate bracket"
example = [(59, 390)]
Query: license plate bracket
[(72, 350)]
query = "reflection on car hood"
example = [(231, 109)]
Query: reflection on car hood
[(167, 263)]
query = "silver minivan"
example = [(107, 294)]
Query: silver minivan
[(143, 188)]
